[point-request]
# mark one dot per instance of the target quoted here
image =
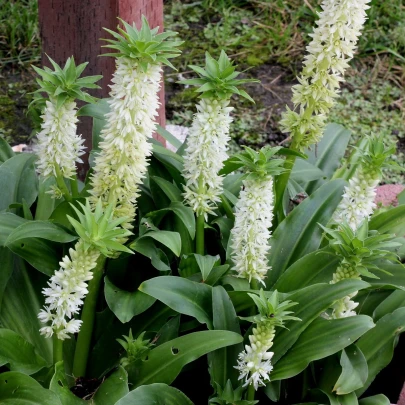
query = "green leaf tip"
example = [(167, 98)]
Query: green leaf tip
[(98, 228), (145, 45), (218, 79), (62, 84)]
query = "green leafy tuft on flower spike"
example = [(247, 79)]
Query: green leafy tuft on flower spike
[(63, 84), (375, 156), (230, 396), (136, 349), (219, 79), (258, 164), (97, 228), (271, 311), (361, 250), (144, 45)]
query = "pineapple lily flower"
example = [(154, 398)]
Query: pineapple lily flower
[(358, 198), (254, 363), (122, 161), (59, 147), (254, 212), (360, 252), (99, 234), (207, 142), (332, 47)]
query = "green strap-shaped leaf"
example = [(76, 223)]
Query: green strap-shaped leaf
[(170, 239), (60, 387), (391, 221), (222, 361), (300, 233), (40, 229), (155, 394), (377, 344), (19, 354), (5, 151), (21, 304), (183, 295), (321, 339), (354, 371), (168, 136), (20, 389), (375, 400), (316, 267), (126, 304), (112, 389), (312, 301), (18, 180), (395, 300), (304, 171), (8, 222), (165, 362), (172, 191), (327, 154)]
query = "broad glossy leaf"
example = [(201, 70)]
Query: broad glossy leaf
[(59, 215), (375, 400), (155, 394), (45, 203), (394, 301), (166, 361), (147, 247), (396, 278), (5, 151), (112, 389), (185, 214), (184, 296), (312, 301), (328, 153), (303, 171), (40, 229), (170, 189), (19, 354), (18, 180), (316, 267), (21, 304), (41, 254), (168, 136), (169, 239), (20, 389), (300, 233), (222, 361), (8, 222), (377, 344), (391, 221), (321, 339), (126, 304), (169, 331), (354, 371), (60, 387), (8, 261)]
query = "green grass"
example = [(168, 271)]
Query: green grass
[(19, 33)]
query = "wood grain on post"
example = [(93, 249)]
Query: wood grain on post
[(74, 27)]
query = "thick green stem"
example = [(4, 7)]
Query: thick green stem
[(227, 207), (88, 316), (250, 396), (57, 349), (74, 185), (199, 237), (61, 184)]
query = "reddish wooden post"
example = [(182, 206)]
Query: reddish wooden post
[(74, 27)]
